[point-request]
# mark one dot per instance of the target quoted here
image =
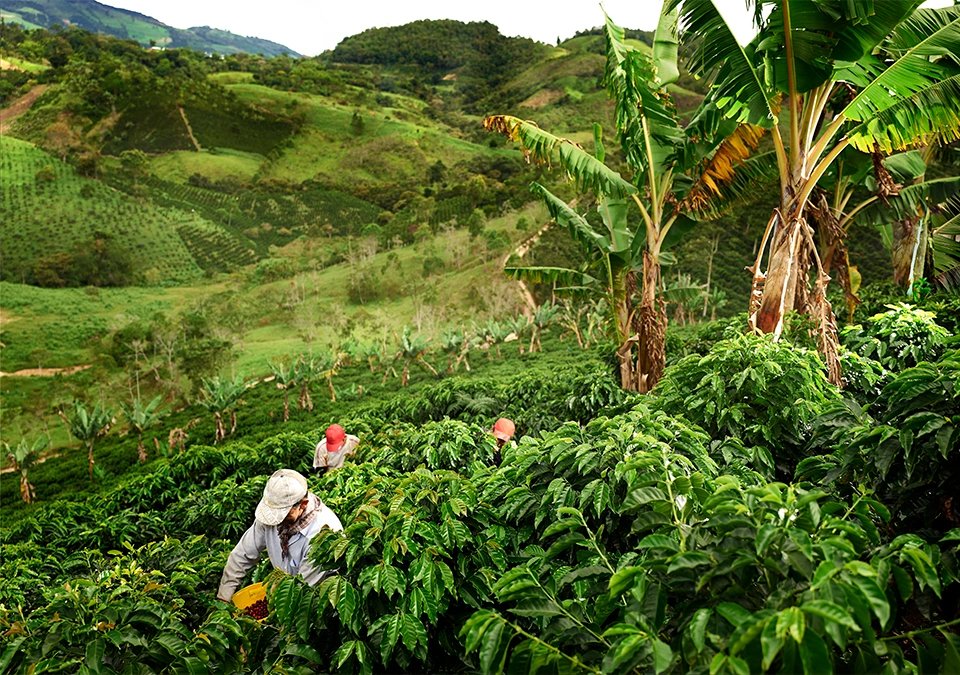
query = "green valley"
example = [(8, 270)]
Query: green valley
[(649, 340)]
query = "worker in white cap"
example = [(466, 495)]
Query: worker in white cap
[(287, 518)]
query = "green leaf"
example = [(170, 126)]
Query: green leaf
[(642, 496), (739, 90), (814, 655), (951, 654), (413, 632), (748, 631), (791, 622), (830, 612), (305, 652), (770, 644), (624, 579), (493, 648), (697, 628), (94, 656), (874, 596), (665, 47), (733, 613), (343, 652), (654, 541), (662, 656), (688, 560)]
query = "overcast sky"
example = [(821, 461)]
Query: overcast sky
[(313, 26)]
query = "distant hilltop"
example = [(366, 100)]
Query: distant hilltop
[(146, 30)]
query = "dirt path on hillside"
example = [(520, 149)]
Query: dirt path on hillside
[(521, 251), (20, 106), (46, 372), (189, 130)]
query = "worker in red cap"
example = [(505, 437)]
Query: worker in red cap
[(336, 446), (503, 430)]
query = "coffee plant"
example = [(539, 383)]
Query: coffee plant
[(619, 535)]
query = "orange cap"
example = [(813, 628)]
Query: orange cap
[(504, 429)]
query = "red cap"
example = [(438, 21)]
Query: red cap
[(504, 429), (335, 436)]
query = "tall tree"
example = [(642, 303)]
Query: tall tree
[(876, 76), (680, 175)]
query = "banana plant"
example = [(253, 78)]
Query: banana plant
[(142, 417), (220, 397), (88, 426), (23, 457), (878, 77), (907, 219), (456, 345), (411, 349), (543, 317), (285, 375), (681, 176)]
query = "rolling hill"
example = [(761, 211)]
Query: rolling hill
[(99, 18)]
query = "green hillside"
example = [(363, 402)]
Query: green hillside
[(47, 208), (125, 24)]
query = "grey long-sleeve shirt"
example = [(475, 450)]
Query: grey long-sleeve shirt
[(259, 538)]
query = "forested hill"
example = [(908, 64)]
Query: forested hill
[(99, 18)]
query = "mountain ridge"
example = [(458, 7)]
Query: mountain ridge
[(128, 24)]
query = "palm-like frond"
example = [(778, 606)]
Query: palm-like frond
[(541, 146), (912, 121), (867, 24), (666, 45), (739, 89), (592, 241), (917, 27), (912, 200), (551, 275), (722, 187), (945, 241), (631, 80)]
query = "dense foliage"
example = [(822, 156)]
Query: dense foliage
[(627, 539)]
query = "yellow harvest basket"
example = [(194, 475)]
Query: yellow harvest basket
[(249, 595)]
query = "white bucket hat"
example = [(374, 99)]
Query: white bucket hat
[(284, 490)]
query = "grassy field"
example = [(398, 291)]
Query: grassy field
[(214, 164)]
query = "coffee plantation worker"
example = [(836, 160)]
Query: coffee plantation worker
[(503, 430), (286, 519), (336, 446)]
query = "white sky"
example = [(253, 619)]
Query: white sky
[(313, 26)]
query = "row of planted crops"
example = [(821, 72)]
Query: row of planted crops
[(745, 517)]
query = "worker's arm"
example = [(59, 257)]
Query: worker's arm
[(243, 558), (320, 455), (350, 445)]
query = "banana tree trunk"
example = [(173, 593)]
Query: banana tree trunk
[(90, 458), (141, 451), (620, 307), (286, 405), (651, 327), (787, 262), (786, 287), (909, 251)]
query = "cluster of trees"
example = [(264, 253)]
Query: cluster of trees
[(100, 261), (883, 84)]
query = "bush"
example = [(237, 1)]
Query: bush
[(899, 338), (765, 393)]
